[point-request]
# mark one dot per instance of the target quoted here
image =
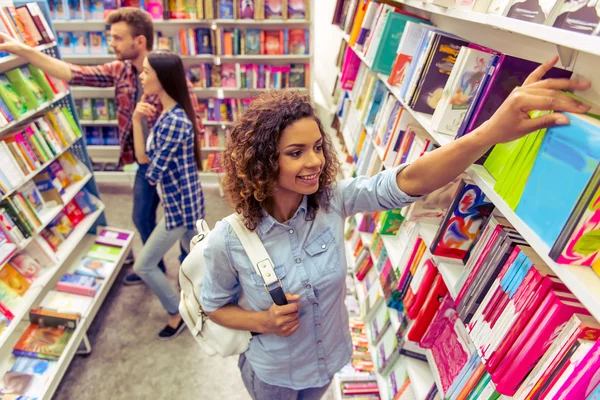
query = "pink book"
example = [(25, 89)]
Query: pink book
[(478, 263), (525, 302), (584, 378), (27, 149), (349, 69), (406, 273), (533, 342), (494, 294), (444, 315), (451, 352)]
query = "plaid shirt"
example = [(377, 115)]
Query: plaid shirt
[(123, 76), (173, 166)]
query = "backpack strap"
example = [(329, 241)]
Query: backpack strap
[(261, 262)]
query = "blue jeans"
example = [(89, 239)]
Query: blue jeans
[(146, 263), (260, 390), (145, 204)]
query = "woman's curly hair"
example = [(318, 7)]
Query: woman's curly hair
[(251, 159)]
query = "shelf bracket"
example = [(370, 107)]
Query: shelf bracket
[(567, 56), (87, 347)]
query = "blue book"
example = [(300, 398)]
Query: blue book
[(567, 158), (378, 94), (204, 41), (253, 41), (226, 9)]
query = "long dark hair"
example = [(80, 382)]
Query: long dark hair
[(171, 74)]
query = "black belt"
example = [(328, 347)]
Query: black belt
[(278, 297)]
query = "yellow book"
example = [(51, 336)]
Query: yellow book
[(361, 10), (56, 129)]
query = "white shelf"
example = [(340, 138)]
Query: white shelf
[(210, 58), (451, 274), (227, 93), (420, 376), (98, 24), (47, 215), (428, 232), (213, 148), (217, 123), (393, 247), (574, 40), (582, 281), (34, 173), (115, 176), (434, 372), (41, 285), (366, 238), (103, 153), (111, 122), (11, 61), (86, 321), (32, 113)]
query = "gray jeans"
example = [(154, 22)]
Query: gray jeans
[(260, 390), (146, 263)]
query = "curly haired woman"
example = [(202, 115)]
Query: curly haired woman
[(280, 175)]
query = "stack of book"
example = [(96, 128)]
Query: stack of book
[(559, 14), (249, 76), (200, 9), (26, 23)]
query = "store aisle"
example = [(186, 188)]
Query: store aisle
[(127, 361)]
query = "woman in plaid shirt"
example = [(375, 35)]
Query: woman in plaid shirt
[(172, 153)]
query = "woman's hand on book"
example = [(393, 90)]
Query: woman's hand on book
[(10, 45), (512, 120)]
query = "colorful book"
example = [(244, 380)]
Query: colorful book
[(43, 342), (78, 284), (95, 268), (66, 303)]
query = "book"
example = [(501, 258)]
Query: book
[(78, 284), (95, 268), (42, 317), (112, 237), (104, 252), (273, 9), (571, 173), (43, 342), (464, 219), (435, 75), (61, 226), (27, 265), (11, 98), (66, 303), (298, 9), (13, 280)]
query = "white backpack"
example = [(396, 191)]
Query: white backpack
[(214, 338)]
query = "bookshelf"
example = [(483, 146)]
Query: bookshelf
[(172, 28), (577, 52), (44, 152)]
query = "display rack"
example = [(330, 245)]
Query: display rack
[(170, 28), (72, 249), (577, 52)]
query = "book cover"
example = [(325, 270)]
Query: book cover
[(226, 9), (78, 284), (112, 237), (297, 41), (95, 268), (22, 87), (273, 9), (246, 9), (85, 202), (463, 222), (42, 317), (61, 226), (97, 43), (11, 98), (297, 9), (436, 74), (66, 303), (65, 42), (253, 41), (74, 213), (81, 43), (385, 54), (571, 169), (26, 265), (103, 252), (43, 342)]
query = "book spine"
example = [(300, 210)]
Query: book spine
[(76, 289)]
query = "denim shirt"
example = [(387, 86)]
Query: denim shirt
[(310, 260)]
